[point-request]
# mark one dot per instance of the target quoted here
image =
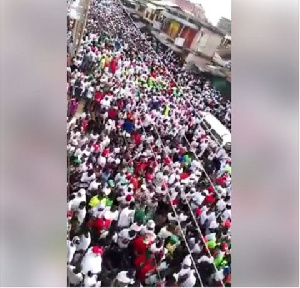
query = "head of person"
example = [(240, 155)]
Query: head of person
[(82, 205), (132, 233), (77, 269)]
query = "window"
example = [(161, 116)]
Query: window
[(216, 137), (205, 125), (152, 16)]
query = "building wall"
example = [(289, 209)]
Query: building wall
[(206, 42)]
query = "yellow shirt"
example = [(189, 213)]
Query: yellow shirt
[(107, 59), (171, 248), (95, 201)]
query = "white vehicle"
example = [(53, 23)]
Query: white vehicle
[(215, 129)]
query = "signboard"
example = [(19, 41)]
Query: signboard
[(179, 41)]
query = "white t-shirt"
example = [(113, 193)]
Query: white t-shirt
[(71, 249), (126, 217), (226, 214), (74, 203), (221, 205), (164, 233), (101, 161), (81, 215), (74, 279), (90, 281), (91, 262), (94, 185), (84, 242), (86, 178), (123, 238)]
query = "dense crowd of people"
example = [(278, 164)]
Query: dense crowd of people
[(149, 189)]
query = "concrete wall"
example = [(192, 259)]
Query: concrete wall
[(211, 43)]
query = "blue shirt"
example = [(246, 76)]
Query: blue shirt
[(128, 126)]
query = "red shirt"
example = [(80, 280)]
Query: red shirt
[(113, 66), (96, 147), (120, 104), (184, 176), (135, 182), (84, 124), (105, 152), (139, 247), (112, 113), (137, 139), (100, 224), (149, 176), (98, 96), (140, 168), (211, 189), (147, 268), (221, 181), (175, 202), (167, 160), (209, 199)]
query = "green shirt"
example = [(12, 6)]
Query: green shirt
[(140, 215), (109, 202)]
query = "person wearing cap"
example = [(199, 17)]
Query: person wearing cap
[(172, 245), (92, 260), (76, 199), (149, 230)]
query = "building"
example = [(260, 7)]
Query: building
[(192, 8), (180, 29), (225, 25)]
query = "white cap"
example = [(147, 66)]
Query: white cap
[(205, 258), (82, 191), (107, 191), (122, 277), (151, 224)]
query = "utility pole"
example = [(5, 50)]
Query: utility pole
[(83, 22), (81, 14)]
